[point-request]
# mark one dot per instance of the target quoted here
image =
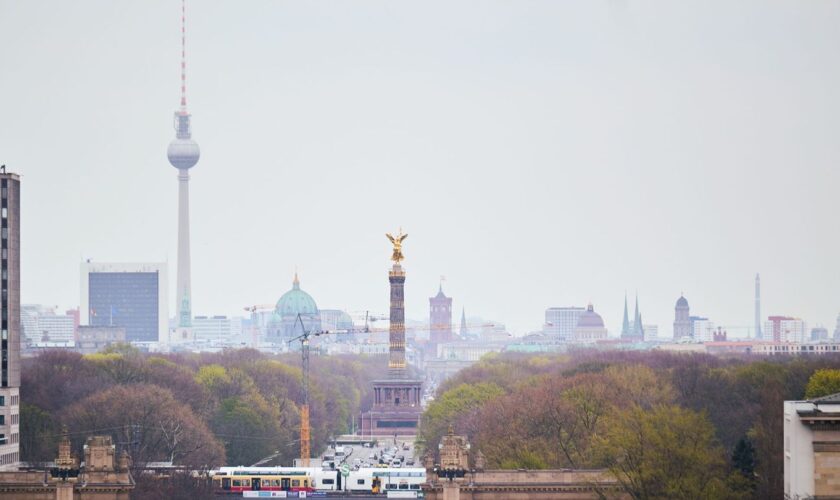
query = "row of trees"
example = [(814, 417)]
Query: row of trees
[(197, 410), (668, 425)]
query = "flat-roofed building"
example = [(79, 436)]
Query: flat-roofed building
[(128, 295), (560, 322), (95, 338)]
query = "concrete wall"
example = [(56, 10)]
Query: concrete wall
[(534, 484)]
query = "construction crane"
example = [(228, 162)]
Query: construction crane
[(305, 433), (255, 330)]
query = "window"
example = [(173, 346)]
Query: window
[(360, 481), (295, 483), (2, 439), (328, 481), (403, 486), (3, 398), (2, 419)]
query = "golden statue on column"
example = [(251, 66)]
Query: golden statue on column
[(397, 240)]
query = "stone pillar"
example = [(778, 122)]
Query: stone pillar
[(396, 333), (451, 490), (64, 491)]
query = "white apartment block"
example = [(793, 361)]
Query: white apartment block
[(704, 330), (560, 322), (785, 330)]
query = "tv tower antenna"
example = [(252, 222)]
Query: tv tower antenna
[(184, 54)]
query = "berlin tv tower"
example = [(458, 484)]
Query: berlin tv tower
[(183, 154)]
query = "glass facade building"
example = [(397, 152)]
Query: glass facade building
[(128, 300), (129, 296)]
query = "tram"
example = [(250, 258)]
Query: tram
[(237, 480), (233, 480)]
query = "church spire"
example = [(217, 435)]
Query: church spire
[(637, 320), (625, 324)]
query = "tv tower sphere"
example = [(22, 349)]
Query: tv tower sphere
[(183, 152)]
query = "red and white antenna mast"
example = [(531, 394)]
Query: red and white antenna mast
[(184, 54)]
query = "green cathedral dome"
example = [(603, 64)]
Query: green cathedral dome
[(295, 302)]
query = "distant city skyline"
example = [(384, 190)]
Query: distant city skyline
[(552, 154)]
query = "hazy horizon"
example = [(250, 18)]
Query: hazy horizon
[(538, 154)]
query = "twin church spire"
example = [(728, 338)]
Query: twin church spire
[(633, 330)]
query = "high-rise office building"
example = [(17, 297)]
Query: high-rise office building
[(132, 296), (10, 314), (183, 154), (560, 322)]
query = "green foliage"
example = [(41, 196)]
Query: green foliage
[(664, 452), (212, 376), (124, 349), (103, 357), (166, 430), (245, 430), (38, 433), (452, 404), (158, 362), (246, 401), (525, 460), (562, 409), (743, 457), (823, 383)]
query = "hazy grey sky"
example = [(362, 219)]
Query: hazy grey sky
[(537, 153)]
